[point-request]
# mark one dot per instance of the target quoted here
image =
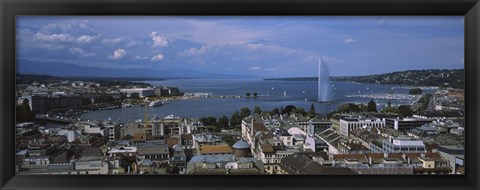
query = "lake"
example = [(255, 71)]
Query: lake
[(271, 94)]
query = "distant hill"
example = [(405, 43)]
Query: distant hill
[(433, 77), (60, 69)]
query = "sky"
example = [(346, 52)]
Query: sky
[(266, 46)]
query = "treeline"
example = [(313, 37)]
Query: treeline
[(371, 107), (433, 77), (235, 120), (103, 81)]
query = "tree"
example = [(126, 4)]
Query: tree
[(311, 112), (208, 120), (275, 111), (244, 112), (229, 140), (389, 103), (405, 110), (247, 94), (415, 91), (235, 119), (23, 112), (223, 122), (300, 111), (390, 109), (288, 109), (255, 95), (424, 101), (372, 106), (349, 108), (257, 110)]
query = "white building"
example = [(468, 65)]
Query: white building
[(401, 144), (349, 124), (142, 92)]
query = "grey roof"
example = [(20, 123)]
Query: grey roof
[(177, 148), (146, 162), (241, 145), (212, 158), (92, 152)]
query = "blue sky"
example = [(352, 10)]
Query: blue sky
[(270, 46)]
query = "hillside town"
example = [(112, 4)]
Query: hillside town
[(345, 142)]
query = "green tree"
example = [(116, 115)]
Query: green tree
[(389, 109), (257, 110), (349, 108), (245, 112), (229, 140), (389, 103), (288, 109), (311, 112), (372, 106), (247, 94), (424, 101), (235, 119), (405, 110), (255, 95), (223, 122), (23, 112), (300, 111), (209, 120), (415, 91), (275, 111)]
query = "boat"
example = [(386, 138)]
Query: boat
[(155, 103)]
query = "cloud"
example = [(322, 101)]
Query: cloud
[(112, 41), (159, 41), (54, 37), (140, 58), (117, 54), (157, 57), (270, 69), (132, 43), (85, 38), (254, 46), (255, 68), (79, 51), (462, 61), (349, 40)]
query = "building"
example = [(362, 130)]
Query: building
[(221, 149), (399, 145), (44, 104), (223, 164), (348, 124), (317, 125), (404, 124), (156, 151), (391, 163), (424, 131), (142, 92), (302, 164), (241, 149), (440, 115), (114, 133), (179, 159)]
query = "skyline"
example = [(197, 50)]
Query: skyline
[(272, 46)]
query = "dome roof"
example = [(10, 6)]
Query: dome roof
[(241, 145)]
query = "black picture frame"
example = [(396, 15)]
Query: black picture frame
[(9, 9)]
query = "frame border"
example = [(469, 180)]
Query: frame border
[(11, 8)]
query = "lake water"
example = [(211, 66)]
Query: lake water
[(271, 94)]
